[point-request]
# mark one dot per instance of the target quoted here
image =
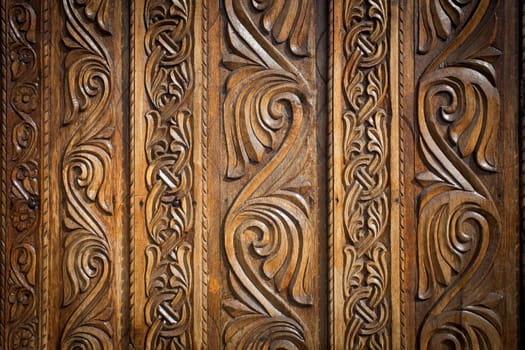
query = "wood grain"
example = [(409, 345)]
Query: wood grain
[(235, 174)]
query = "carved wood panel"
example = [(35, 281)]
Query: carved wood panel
[(25, 132), (306, 174)]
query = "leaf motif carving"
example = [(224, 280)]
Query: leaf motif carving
[(88, 195), (437, 19), (459, 224), (99, 10), (21, 284), (255, 104), (22, 33), (268, 228), (287, 21), (467, 100)]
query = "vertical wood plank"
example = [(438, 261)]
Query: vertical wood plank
[(362, 250), (465, 165), (89, 153), (24, 192), (267, 156), (396, 225), (522, 170), (167, 237)]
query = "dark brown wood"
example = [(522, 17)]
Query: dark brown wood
[(197, 174)]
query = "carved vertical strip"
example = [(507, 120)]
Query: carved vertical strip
[(86, 163), (361, 145), (22, 173), (204, 190), (3, 172), (45, 198), (334, 316), (336, 151), (522, 167), (406, 200), (403, 64), (138, 236), (92, 192), (133, 115), (200, 166), (138, 105), (269, 227), (508, 84), (395, 204), (169, 202), (458, 225)]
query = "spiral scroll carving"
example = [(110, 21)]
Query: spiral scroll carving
[(365, 176), (22, 298), (169, 204), (86, 164), (459, 225), (268, 228)]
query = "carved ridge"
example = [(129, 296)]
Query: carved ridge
[(204, 145), (402, 154), (44, 248), (3, 169), (522, 160), (331, 181), (133, 161)]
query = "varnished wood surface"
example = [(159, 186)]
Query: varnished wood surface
[(194, 174)]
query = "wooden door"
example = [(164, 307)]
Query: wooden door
[(261, 174)]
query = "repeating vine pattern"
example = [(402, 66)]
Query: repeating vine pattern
[(268, 229), (459, 225), (24, 185), (365, 175), (86, 165), (169, 204)]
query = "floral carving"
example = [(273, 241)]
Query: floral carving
[(169, 178), (22, 20), (459, 224), (23, 98), (24, 339), (22, 216), (268, 228)]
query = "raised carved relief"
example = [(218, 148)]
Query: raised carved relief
[(436, 21), (287, 22), (86, 165), (22, 320), (169, 208), (406, 237), (21, 297), (459, 225), (268, 229), (365, 175)]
